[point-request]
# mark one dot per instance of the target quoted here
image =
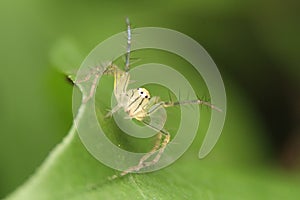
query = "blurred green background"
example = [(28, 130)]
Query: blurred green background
[(255, 44)]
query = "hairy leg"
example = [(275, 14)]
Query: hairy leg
[(158, 148), (177, 103)]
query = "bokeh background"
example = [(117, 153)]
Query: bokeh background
[(255, 44)]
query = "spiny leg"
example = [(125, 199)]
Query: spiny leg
[(160, 152), (112, 111), (93, 88), (157, 143), (97, 71), (145, 157), (85, 79), (153, 150), (128, 49), (159, 146), (186, 102), (142, 163), (197, 101), (94, 70)]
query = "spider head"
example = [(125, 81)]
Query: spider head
[(137, 104), (143, 93)]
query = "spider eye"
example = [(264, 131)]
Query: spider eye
[(146, 96), (142, 92)]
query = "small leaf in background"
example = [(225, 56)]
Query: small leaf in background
[(66, 56)]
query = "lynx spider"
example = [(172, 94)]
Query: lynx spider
[(138, 104)]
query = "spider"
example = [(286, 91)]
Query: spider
[(138, 104)]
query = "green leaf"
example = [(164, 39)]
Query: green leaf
[(71, 173), (66, 56), (234, 170)]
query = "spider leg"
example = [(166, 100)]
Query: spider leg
[(186, 102), (120, 85), (85, 79), (128, 49), (112, 111), (144, 158), (158, 145), (160, 152), (94, 70), (153, 150), (158, 148), (197, 101), (93, 87)]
